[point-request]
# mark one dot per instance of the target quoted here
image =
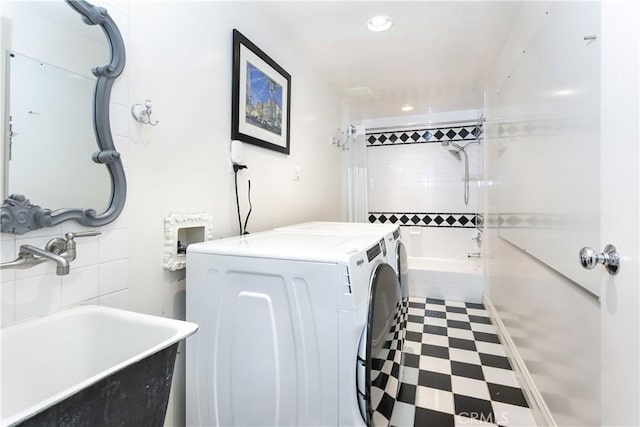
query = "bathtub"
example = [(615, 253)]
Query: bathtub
[(89, 365), (449, 279)]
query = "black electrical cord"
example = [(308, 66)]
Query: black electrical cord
[(250, 207), (236, 168)]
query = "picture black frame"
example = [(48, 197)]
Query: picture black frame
[(265, 124)]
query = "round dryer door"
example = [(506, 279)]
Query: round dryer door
[(380, 350)]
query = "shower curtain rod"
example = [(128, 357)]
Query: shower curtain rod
[(421, 125)]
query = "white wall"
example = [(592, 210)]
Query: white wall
[(549, 117), (180, 56), (100, 273), (553, 322)]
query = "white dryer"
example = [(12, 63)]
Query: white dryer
[(393, 249), (295, 329)]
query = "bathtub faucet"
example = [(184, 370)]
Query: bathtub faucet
[(30, 256), (474, 254), (61, 250), (478, 239)]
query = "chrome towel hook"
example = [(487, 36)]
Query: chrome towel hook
[(142, 113), (342, 138)]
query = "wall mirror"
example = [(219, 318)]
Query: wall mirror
[(548, 159), (59, 160)]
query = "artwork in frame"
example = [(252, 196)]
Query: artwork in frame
[(261, 97)]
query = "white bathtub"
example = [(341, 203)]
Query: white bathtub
[(449, 279), (51, 360)]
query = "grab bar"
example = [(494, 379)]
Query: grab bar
[(474, 254)]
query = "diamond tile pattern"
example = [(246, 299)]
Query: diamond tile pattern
[(539, 128), (529, 221), (425, 219), (456, 383), (424, 135)]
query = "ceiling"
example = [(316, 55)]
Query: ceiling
[(436, 56)]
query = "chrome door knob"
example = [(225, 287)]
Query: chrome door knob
[(610, 258), (588, 258)]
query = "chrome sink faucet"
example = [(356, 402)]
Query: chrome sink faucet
[(61, 250)]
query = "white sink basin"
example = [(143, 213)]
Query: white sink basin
[(48, 359)]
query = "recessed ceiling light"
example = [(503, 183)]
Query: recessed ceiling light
[(379, 23), (407, 108), (564, 92)]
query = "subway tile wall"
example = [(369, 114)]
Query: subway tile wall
[(412, 172), (99, 275)]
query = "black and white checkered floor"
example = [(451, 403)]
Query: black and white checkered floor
[(456, 372)]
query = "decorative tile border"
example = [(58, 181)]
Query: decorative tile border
[(425, 219), (533, 221), (424, 135), (538, 127)]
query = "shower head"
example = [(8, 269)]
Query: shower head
[(451, 143), (456, 154), (455, 151)]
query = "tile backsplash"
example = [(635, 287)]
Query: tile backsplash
[(99, 274)]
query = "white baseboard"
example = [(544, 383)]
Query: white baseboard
[(531, 393)]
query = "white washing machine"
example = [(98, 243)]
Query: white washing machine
[(295, 329), (393, 249)]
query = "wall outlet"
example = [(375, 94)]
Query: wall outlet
[(236, 152)]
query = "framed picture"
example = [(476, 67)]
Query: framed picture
[(261, 97)]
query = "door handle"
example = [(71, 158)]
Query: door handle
[(610, 258)]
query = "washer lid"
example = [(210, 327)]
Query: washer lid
[(342, 227), (290, 245)]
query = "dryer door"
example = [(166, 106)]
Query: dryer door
[(380, 350)]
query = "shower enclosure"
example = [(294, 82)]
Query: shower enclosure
[(413, 182)]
